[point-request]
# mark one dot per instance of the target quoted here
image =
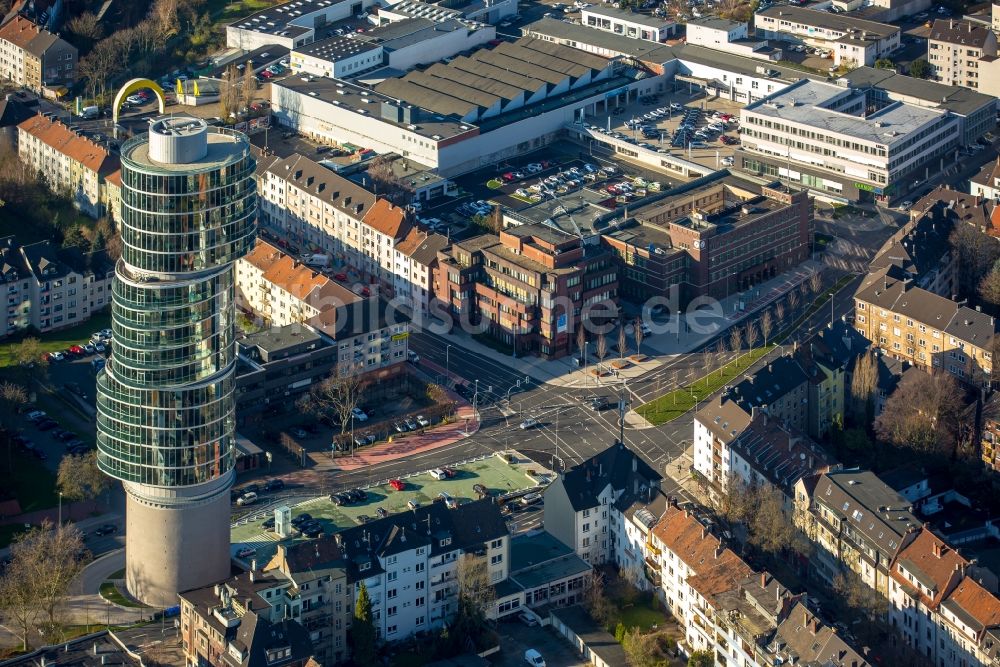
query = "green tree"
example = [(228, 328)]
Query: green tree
[(920, 68), (619, 632), (884, 63), (363, 629), (701, 659), (75, 238)]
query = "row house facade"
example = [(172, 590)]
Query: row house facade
[(280, 290), (740, 616), (943, 604), (856, 521), (70, 162), (929, 331), (529, 287), (35, 58), (49, 288), (313, 210), (592, 507)]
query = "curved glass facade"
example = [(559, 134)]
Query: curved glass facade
[(165, 399)]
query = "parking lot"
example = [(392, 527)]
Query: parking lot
[(696, 127), (516, 638), (495, 474)]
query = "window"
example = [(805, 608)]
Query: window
[(498, 558), (362, 567), (391, 611), (419, 567), (391, 593), (391, 576)]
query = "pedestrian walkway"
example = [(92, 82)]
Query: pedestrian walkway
[(676, 336), (680, 470)]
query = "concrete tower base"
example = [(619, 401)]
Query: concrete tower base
[(176, 539)]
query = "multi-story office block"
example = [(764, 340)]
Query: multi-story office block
[(165, 400)]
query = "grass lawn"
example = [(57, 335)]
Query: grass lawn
[(643, 616), (32, 484), (60, 340), (672, 405), (111, 593), (494, 184)]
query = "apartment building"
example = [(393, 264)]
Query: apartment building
[(754, 450), (317, 574), (940, 605), (250, 620), (282, 291), (852, 41), (313, 209), (924, 329), (857, 522), (955, 49), (529, 287), (845, 144), (986, 183), (919, 251), (71, 163), (409, 562), (51, 288), (583, 505), (716, 33), (33, 57), (713, 237), (627, 23), (279, 363)]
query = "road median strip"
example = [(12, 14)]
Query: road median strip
[(675, 403)]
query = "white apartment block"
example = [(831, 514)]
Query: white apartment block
[(824, 137), (70, 162), (49, 288), (409, 562), (852, 42), (715, 33), (956, 49), (583, 506)]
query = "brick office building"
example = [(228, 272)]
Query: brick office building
[(527, 288)]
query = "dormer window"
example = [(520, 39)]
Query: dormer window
[(364, 567), (445, 541)]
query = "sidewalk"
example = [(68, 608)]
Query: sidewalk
[(668, 339), (679, 470)]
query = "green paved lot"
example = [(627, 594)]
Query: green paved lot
[(494, 473)]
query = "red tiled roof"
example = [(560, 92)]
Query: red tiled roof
[(977, 602), (64, 140), (387, 219), (933, 562)]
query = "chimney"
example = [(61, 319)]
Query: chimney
[(938, 549), (763, 579), (253, 564), (718, 551)]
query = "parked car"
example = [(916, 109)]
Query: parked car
[(438, 474), (245, 552), (273, 485), (412, 504), (359, 414), (528, 619), (534, 658), (56, 356), (35, 415), (247, 499), (531, 498), (449, 502), (268, 523), (480, 490), (423, 421), (397, 484), (410, 424), (400, 427), (301, 519), (381, 512)]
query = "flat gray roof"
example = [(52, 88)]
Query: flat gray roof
[(274, 20), (956, 99), (807, 103), (828, 21), (335, 48), (716, 23)]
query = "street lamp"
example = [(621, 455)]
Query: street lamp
[(60, 509)]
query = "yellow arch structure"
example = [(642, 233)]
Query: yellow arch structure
[(131, 87)]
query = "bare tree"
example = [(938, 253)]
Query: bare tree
[(387, 183), (864, 380), (164, 15), (86, 26), (600, 350), (336, 396), (35, 585), (766, 325), (476, 595), (976, 253), (594, 600), (79, 478), (815, 282), (581, 338), (793, 301), (989, 287), (779, 311), (924, 414), (229, 94), (622, 341), (249, 87), (753, 333), (638, 334), (736, 343)]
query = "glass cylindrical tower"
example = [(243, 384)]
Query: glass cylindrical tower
[(165, 399)]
